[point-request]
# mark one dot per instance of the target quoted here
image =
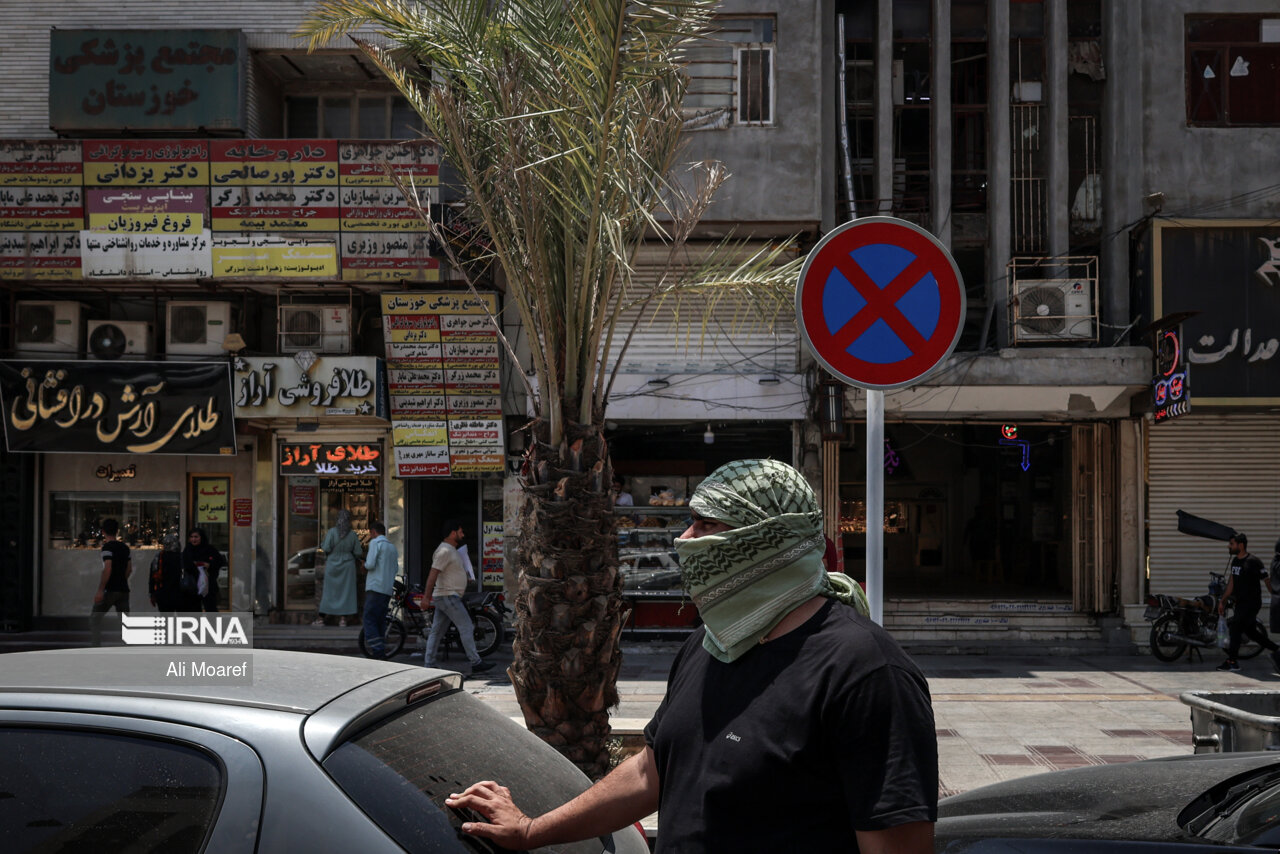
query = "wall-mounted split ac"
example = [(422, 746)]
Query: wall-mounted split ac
[(118, 339), (1048, 310), (196, 328), (48, 326), (319, 328)]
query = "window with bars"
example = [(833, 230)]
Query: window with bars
[(1232, 70), (731, 75)]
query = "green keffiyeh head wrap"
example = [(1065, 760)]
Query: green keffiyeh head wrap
[(744, 581)]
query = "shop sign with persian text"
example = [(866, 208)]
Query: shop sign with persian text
[(277, 386), (1227, 276), (331, 458), (444, 383), (146, 79), (91, 407)]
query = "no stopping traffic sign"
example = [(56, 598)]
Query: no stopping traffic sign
[(880, 302)]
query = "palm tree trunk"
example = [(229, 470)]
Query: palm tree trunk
[(569, 608)]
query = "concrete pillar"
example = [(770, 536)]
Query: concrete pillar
[(884, 107), (1058, 195), (1121, 142), (999, 192), (828, 174), (1130, 573), (940, 123)]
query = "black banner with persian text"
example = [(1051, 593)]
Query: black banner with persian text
[(91, 407)]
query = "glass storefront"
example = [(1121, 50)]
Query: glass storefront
[(312, 504), (970, 510)]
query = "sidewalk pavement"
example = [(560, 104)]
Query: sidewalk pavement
[(997, 718)]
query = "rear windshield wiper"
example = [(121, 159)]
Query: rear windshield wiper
[(1229, 800)]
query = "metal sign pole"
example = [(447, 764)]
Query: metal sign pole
[(875, 504)]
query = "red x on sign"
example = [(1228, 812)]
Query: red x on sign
[(880, 302)]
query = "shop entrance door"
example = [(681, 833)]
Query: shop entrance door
[(432, 503)]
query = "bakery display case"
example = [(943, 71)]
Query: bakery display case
[(646, 549)]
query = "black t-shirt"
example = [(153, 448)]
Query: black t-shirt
[(118, 553), (823, 731), (1247, 589)]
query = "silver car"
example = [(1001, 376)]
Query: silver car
[(319, 753)]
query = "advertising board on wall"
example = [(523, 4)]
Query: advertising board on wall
[(1227, 273), (444, 379), (95, 407)]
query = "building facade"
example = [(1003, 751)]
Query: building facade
[(1071, 153)]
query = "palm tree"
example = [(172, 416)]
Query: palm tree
[(563, 120)]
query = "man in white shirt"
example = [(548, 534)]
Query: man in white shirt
[(445, 585)]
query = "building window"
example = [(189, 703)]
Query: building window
[(731, 75), (359, 116), (1232, 70)]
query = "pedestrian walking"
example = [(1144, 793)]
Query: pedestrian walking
[(1244, 583), (113, 583), (446, 583), (791, 721), (381, 564)]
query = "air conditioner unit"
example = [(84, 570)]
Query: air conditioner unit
[(48, 327), (118, 339), (196, 328), (319, 328), (1053, 310)]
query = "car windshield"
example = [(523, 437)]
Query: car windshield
[(400, 771)]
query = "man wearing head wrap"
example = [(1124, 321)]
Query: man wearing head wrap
[(790, 720)]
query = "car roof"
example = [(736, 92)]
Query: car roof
[(300, 682)]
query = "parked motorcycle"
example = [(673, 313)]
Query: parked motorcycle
[(1179, 624), (407, 613)]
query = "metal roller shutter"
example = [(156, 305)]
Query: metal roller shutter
[(1223, 467), (690, 339)]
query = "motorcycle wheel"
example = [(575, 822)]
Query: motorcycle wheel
[(1163, 647), (488, 633), (392, 642), (1250, 648)]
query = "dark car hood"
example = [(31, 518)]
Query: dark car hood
[(1134, 801)]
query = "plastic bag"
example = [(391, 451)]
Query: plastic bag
[(1224, 633), (202, 585)]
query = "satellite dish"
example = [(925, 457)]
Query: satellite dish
[(108, 341)]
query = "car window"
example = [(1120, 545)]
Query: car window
[(83, 790), (401, 770)]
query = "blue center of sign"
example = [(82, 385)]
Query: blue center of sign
[(920, 305)]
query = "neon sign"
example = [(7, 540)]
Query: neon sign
[(1171, 388)]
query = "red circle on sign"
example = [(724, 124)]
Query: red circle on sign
[(831, 346)]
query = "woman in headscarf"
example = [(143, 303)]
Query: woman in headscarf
[(166, 576), (199, 555), (341, 549)]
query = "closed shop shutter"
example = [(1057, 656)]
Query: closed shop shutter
[(1222, 467), (695, 336)]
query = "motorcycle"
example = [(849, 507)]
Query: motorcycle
[(407, 613), (1179, 624)]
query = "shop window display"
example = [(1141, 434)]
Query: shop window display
[(145, 517)]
